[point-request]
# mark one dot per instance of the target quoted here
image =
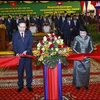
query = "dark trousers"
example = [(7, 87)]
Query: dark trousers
[(27, 64), (68, 39)]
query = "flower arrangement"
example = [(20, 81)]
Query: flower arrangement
[(2, 26), (51, 50)]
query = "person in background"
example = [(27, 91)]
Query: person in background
[(26, 21), (75, 26), (66, 30), (82, 43), (9, 26), (22, 42)]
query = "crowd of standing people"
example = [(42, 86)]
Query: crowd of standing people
[(63, 24)]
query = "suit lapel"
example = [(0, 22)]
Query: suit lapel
[(25, 36)]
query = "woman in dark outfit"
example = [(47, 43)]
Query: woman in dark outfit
[(81, 73)]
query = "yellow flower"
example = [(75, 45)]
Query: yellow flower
[(49, 34), (46, 47), (41, 58), (53, 53), (43, 49), (36, 52), (68, 49), (46, 54)]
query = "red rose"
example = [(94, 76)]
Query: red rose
[(52, 35), (51, 46), (47, 35), (41, 51), (48, 38), (60, 46), (56, 36), (52, 39), (41, 42)]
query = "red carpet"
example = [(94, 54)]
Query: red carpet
[(9, 92), (68, 90)]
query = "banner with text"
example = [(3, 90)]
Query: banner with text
[(38, 7)]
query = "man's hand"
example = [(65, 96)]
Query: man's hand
[(17, 54), (24, 53), (71, 29)]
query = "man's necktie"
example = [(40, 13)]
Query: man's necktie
[(22, 36)]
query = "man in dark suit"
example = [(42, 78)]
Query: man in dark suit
[(9, 25), (76, 25), (57, 22), (22, 44), (66, 30)]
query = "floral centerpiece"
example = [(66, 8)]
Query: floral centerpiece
[(51, 50)]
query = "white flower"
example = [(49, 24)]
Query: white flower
[(38, 48), (44, 38), (52, 48), (59, 37), (56, 49), (58, 41), (39, 45), (55, 38), (49, 43), (61, 41)]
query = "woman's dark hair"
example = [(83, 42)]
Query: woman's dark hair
[(82, 28)]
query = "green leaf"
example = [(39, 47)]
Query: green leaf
[(52, 61)]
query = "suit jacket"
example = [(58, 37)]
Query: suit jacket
[(82, 45), (76, 27), (35, 21), (9, 25), (57, 22), (19, 46), (65, 28)]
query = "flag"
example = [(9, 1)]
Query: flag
[(13, 3), (94, 3), (86, 5), (59, 3), (82, 4)]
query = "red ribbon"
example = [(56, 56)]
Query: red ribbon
[(9, 61), (14, 60)]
